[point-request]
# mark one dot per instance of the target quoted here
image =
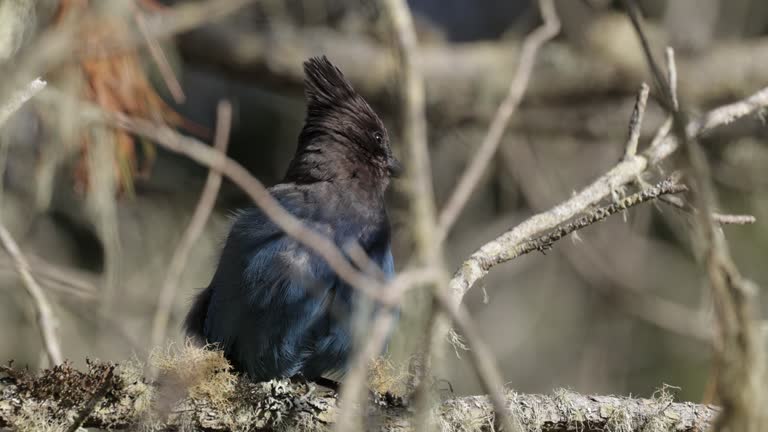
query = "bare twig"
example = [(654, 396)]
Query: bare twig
[(477, 167), (663, 131), (166, 71), (46, 319), (720, 218), (19, 98), (669, 57), (733, 219), (194, 230), (741, 350), (636, 122), (730, 113)]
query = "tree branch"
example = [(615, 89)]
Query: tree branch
[(46, 319), (502, 248), (128, 403)]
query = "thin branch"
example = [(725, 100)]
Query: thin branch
[(19, 98), (720, 218), (730, 113), (636, 122), (626, 171), (194, 230), (478, 166), (46, 319), (733, 219), (663, 131), (166, 71), (669, 57)]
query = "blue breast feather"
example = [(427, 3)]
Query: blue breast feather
[(279, 310)]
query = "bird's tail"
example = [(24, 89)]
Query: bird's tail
[(194, 324)]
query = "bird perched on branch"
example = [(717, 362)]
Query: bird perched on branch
[(276, 308)]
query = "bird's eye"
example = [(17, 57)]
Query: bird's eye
[(378, 137)]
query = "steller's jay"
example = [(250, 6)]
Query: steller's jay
[(276, 308)]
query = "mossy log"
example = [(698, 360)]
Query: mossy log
[(210, 398)]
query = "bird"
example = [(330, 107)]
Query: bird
[(275, 307)]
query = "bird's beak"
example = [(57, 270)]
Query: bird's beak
[(394, 167)]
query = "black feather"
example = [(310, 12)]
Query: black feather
[(324, 84), (275, 307)]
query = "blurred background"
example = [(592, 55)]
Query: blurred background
[(620, 308)]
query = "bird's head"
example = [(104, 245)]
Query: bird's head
[(342, 138)]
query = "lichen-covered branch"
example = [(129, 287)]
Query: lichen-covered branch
[(55, 397), (501, 249), (545, 242)]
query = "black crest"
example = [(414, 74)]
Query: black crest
[(325, 85)]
